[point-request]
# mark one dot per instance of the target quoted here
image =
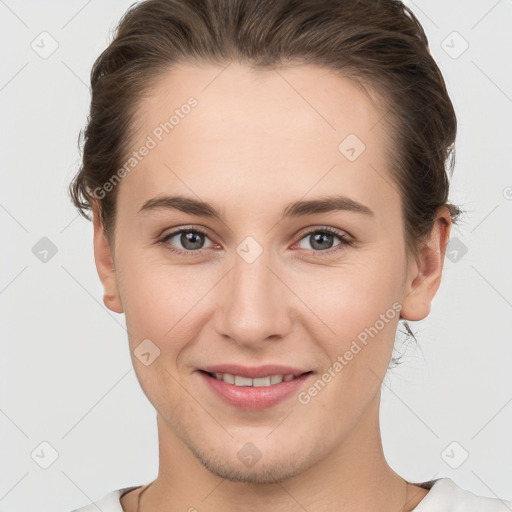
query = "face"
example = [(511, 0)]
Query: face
[(264, 281)]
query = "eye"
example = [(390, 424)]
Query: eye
[(191, 240), (321, 240)]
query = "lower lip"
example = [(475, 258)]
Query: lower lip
[(250, 397)]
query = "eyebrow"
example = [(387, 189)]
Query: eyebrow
[(296, 209)]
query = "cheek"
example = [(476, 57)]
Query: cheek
[(361, 318), (359, 311), (352, 296), (162, 301), (159, 302)]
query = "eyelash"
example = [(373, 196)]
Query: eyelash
[(344, 240)]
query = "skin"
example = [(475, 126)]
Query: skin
[(257, 141)]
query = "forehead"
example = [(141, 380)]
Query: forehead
[(302, 101), (294, 129)]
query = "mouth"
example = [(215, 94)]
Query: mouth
[(257, 388)]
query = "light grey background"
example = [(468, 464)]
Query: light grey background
[(66, 375)]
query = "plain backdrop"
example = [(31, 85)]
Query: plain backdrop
[(74, 422)]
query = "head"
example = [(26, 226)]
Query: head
[(257, 114)]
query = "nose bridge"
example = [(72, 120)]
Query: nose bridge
[(255, 304)]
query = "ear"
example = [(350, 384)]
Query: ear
[(425, 271), (105, 265)]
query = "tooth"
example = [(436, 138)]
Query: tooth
[(262, 381), (243, 381), (227, 377), (257, 382)]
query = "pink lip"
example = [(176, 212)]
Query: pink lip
[(253, 372), (254, 398)]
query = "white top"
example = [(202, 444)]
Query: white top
[(444, 496)]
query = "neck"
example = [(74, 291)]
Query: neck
[(355, 476)]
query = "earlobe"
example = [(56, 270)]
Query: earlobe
[(105, 265), (425, 271)]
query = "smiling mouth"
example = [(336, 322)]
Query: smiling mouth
[(240, 381)]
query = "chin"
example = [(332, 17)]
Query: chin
[(274, 468)]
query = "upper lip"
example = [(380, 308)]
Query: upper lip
[(252, 372)]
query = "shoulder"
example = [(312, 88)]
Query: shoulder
[(109, 502), (447, 496)]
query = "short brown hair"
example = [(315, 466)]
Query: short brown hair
[(378, 43)]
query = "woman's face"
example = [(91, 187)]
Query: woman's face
[(259, 283)]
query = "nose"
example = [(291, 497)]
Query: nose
[(255, 303)]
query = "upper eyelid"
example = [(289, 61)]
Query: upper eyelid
[(328, 229)]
